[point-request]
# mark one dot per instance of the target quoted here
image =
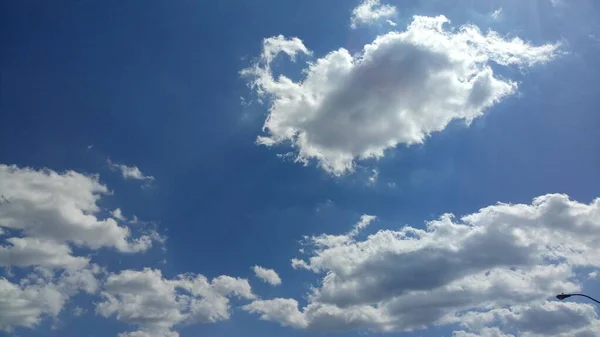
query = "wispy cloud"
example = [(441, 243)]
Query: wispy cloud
[(129, 172), (497, 14)]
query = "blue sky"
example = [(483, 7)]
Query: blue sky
[(175, 114)]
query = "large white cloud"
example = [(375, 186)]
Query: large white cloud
[(546, 319), (497, 266), (26, 252), (62, 208), (156, 304), (401, 88), (42, 215)]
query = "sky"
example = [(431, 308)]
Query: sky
[(299, 168)]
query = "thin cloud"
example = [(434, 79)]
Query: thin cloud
[(129, 172)]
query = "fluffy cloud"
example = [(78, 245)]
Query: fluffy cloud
[(42, 215), (267, 275), (497, 266), (40, 294), (546, 319), (156, 304), (61, 208), (401, 88), (129, 172), (370, 11), (26, 252)]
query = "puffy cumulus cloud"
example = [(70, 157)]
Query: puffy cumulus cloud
[(61, 208), (267, 275), (129, 172), (546, 319), (40, 294), (42, 215), (26, 252), (402, 87), (156, 304), (495, 267), (370, 11)]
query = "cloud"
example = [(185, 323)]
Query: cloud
[(61, 208), (267, 275), (78, 311), (370, 11), (401, 88), (118, 214), (374, 176), (40, 294), (560, 319), (497, 14), (282, 310), (26, 252), (43, 215), (129, 172), (495, 267), (156, 304)]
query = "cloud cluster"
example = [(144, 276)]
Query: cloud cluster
[(43, 214), (155, 304), (398, 90), (497, 266), (42, 293), (371, 11)]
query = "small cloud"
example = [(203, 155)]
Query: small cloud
[(78, 311), (89, 147), (370, 11), (300, 264), (129, 172), (593, 275), (497, 14), (244, 102), (374, 176), (391, 23), (267, 275), (117, 214), (324, 205)]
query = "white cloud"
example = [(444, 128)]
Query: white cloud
[(370, 11), (497, 14), (496, 267), (282, 310), (560, 319), (401, 88), (62, 208), (593, 275), (118, 214), (41, 294), (78, 311), (156, 304), (129, 172), (25, 252), (267, 275), (374, 176), (43, 214)]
